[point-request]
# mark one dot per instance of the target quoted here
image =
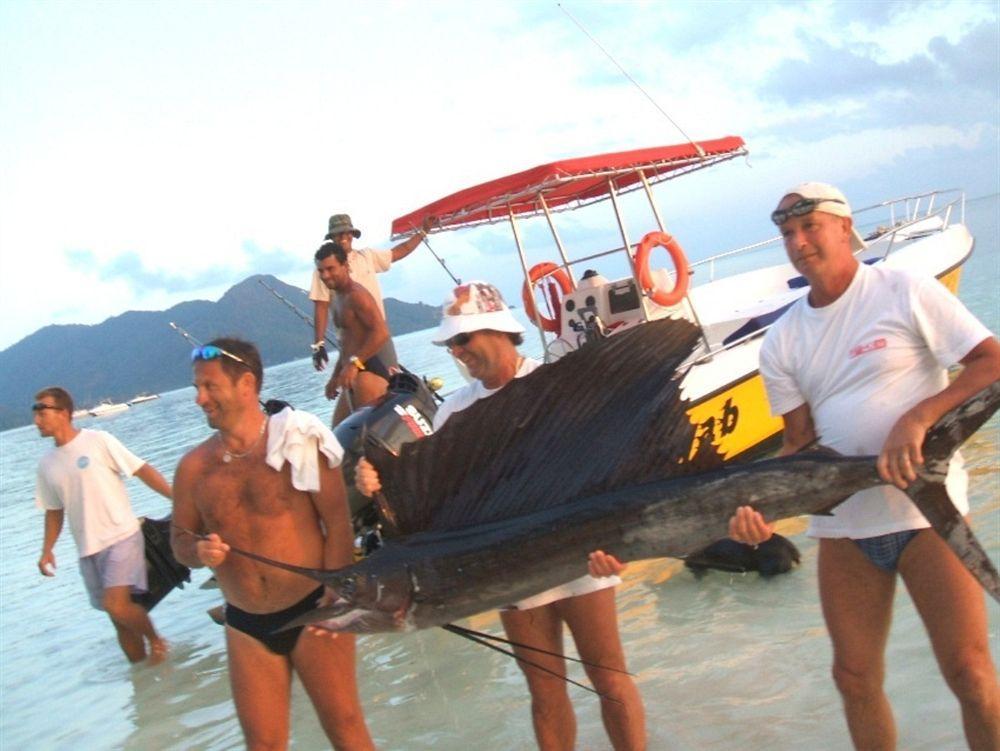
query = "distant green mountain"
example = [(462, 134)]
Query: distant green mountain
[(138, 352)]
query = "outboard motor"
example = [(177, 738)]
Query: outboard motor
[(404, 413)]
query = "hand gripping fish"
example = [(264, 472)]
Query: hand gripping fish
[(594, 451)]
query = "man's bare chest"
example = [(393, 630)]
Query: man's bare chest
[(241, 492)]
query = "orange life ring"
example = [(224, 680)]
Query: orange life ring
[(556, 274), (642, 254)]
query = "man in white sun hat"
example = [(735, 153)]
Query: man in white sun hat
[(479, 329), (860, 363)]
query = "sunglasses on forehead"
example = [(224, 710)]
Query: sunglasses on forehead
[(40, 407), (800, 208), (211, 352)]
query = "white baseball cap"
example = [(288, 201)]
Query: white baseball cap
[(818, 197), (475, 306)]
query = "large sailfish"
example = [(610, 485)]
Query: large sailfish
[(594, 451)]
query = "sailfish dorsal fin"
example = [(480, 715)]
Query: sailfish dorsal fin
[(607, 414)]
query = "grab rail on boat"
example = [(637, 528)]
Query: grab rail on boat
[(908, 206)]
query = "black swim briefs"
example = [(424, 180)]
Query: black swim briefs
[(383, 363), (261, 626)]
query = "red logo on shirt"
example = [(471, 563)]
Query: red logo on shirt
[(871, 346)]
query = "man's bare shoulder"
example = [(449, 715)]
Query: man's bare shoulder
[(197, 458)]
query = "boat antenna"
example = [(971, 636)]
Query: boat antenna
[(635, 83)]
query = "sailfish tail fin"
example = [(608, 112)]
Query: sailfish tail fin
[(930, 496)]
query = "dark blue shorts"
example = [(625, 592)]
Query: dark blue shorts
[(884, 550)]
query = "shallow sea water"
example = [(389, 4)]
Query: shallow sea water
[(725, 661)]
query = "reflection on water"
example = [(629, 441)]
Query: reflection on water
[(725, 661)]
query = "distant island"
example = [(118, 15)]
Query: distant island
[(137, 352)]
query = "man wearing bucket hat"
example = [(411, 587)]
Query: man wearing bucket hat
[(479, 329), (364, 264), (860, 363)]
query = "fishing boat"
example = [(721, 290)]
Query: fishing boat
[(107, 407), (571, 303), (140, 398)]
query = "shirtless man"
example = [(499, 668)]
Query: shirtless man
[(226, 493), (367, 359), (365, 264)]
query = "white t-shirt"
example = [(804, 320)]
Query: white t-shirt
[(84, 477), (860, 363), (464, 398), (363, 264)]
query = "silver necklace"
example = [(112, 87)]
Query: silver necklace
[(228, 456)]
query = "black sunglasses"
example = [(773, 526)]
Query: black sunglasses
[(459, 340), (800, 208), (39, 407)]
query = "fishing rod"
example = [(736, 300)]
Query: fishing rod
[(701, 152), (441, 261), (434, 384), (332, 340), (271, 406), (190, 339), (430, 222)]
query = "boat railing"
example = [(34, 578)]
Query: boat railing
[(902, 213)]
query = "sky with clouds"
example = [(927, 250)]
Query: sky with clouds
[(156, 152)]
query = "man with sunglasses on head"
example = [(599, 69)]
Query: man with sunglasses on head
[(271, 486), (860, 364), (81, 479), (479, 329), (364, 264), (367, 358)]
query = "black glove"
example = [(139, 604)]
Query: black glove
[(320, 357)]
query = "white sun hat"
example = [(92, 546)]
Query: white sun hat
[(475, 306)]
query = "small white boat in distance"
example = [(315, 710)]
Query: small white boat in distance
[(78, 413), (107, 407), (142, 398)]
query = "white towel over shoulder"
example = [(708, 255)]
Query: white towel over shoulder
[(294, 437)]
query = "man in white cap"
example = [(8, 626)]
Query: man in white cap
[(479, 329), (860, 363), (364, 264)]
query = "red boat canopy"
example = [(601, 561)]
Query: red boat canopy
[(566, 184)]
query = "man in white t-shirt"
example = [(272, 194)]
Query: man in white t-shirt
[(364, 264), (479, 329), (81, 480), (860, 364)]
